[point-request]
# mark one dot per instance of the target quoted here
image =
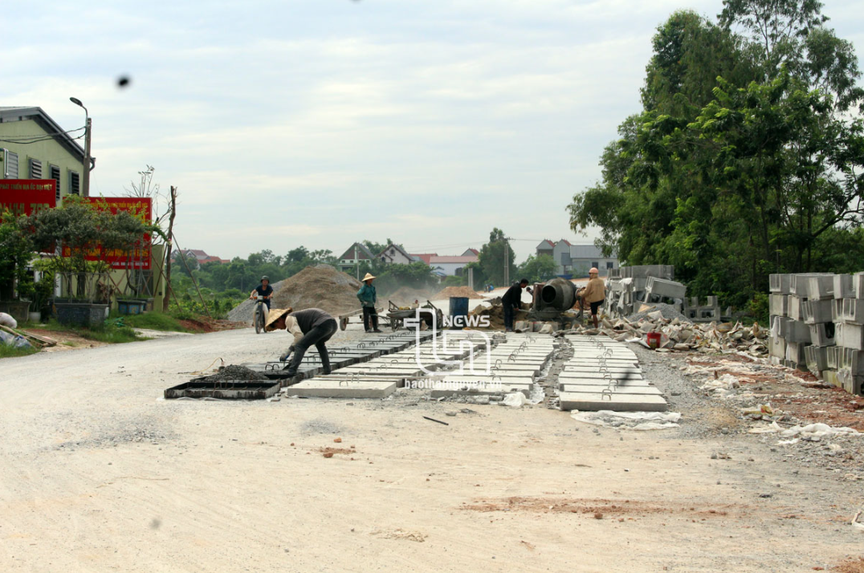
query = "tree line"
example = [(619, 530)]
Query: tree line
[(241, 275), (746, 158)]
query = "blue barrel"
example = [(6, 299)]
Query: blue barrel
[(458, 307)]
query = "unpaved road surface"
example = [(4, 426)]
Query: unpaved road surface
[(97, 473)]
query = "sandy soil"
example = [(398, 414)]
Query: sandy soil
[(97, 473)]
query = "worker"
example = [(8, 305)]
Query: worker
[(368, 298), (309, 327), (264, 290), (594, 293), (512, 301)]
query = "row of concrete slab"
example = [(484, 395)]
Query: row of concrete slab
[(601, 374), (605, 375)]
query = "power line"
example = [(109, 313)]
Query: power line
[(48, 138)]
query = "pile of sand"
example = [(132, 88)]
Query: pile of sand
[(319, 286), (495, 312), (462, 291)]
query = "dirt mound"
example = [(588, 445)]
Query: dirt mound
[(236, 374), (321, 286), (462, 291)]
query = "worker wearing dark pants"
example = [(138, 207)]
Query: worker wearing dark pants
[(368, 298), (309, 327), (512, 300)]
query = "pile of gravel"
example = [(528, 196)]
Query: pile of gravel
[(667, 310), (235, 373)]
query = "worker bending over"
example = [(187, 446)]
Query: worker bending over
[(309, 327), (594, 293)]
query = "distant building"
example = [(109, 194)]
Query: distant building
[(353, 256), (583, 257), (201, 258), (34, 146), (576, 260), (424, 257), (454, 266), (560, 253), (394, 254)]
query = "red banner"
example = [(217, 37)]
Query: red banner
[(27, 196), (141, 255)]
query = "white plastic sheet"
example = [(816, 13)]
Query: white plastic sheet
[(639, 421)]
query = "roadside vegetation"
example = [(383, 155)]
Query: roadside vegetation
[(11, 352), (746, 158)]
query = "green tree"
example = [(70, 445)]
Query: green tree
[(742, 161), (538, 268), (494, 255)]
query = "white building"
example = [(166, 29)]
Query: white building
[(453, 266), (394, 254)]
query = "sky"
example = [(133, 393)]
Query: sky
[(323, 122)]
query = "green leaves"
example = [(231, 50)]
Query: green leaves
[(741, 163)]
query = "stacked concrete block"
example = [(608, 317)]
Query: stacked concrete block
[(843, 287), (850, 336), (627, 291), (831, 309), (710, 311), (778, 304), (858, 285)]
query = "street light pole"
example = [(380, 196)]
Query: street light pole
[(85, 184)]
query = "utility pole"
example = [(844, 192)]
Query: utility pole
[(506, 263), (356, 262), (88, 161)]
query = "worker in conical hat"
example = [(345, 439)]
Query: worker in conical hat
[(309, 327), (368, 297)]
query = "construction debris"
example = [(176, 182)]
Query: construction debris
[(21, 339), (680, 334)]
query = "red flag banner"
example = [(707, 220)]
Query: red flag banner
[(139, 258), (27, 196)]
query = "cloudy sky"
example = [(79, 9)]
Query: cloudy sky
[(322, 122)]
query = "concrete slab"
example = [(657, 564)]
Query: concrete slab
[(323, 388), (622, 390), (482, 390), (467, 378), (617, 402)]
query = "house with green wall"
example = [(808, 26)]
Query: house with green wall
[(34, 146)]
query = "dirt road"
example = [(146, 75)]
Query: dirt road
[(97, 473)]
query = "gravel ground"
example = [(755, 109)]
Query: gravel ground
[(705, 415), (98, 473)]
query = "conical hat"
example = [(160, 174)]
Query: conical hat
[(368, 277), (275, 315)]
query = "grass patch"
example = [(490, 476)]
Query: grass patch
[(112, 331), (151, 321), (109, 332), (10, 352)]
